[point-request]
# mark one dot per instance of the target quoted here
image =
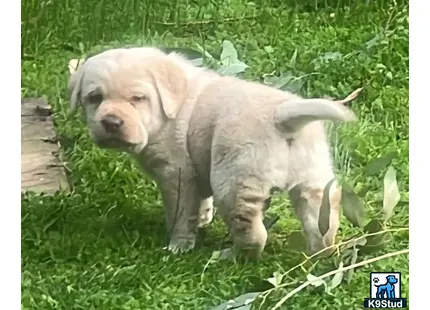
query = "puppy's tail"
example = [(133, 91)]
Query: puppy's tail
[(291, 116)]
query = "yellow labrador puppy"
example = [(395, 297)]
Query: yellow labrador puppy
[(90, 83), (201, 135)]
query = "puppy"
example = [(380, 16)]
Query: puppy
[(122, 103), (247, 140), (201, 135)]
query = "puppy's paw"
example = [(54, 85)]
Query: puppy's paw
[(206, 212), (206, 218), (179, 245)]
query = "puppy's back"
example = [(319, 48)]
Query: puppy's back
[(231, 119)]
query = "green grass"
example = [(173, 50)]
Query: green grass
[(100, 247)]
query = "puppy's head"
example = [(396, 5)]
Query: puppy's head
[(127, 95)]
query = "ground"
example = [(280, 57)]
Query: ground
[(101, 246)]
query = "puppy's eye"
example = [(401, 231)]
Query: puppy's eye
[(95, 98), (139, 98)]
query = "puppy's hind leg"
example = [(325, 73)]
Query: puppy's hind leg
[(243, 215), (306, 200)]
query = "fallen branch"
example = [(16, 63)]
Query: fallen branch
[(337, 246), (333, 272)]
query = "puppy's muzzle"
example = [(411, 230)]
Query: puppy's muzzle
[(112, 123)]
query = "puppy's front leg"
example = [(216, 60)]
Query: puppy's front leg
[(182, 202)]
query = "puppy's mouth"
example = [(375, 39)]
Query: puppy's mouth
[(116, 144)]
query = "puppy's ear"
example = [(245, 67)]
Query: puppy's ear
[(291, 116), (74, 90), (74, 65), (171, 83), (74, 85)]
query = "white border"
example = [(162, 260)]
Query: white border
[(419, 210), (10, 181), (10, 195)]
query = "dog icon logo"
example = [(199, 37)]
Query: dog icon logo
[(385, 291)]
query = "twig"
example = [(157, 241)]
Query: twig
[(337, 245), (343, 269), (351, 96)]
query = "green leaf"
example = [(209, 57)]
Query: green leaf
[(377, 242), (245, 307), (325, 210), (378, 164), (292, 62), (226, 254), (374, 226), (277, 81), (363, 191), (285, 81), (198, 62), (270, 220), (332, 56), (325, 58), (233, 69), (221, 255), (203, 51), (82, 48), (337, 278), (268, 49), (314, 281), (215, 255), (243, 301), (373, 42), (353, 207), (389, 75), (294, 86), (350, 272), (297, 241), (186, 51), (276, 280), (391, 193), (229, 54), (346, 253)]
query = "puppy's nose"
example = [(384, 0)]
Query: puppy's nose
[(112, 123)]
